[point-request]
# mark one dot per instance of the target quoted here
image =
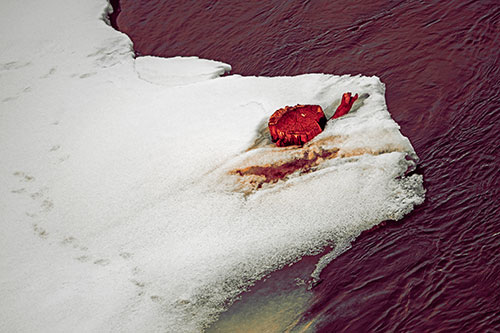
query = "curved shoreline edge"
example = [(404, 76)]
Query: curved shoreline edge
[(113, 16)]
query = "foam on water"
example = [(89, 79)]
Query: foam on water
[(122, 211)]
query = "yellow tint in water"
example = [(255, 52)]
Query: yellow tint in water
[(274, 304)]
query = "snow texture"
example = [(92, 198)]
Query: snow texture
[(120, 208), (178, 71)]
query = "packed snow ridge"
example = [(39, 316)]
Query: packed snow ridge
[(121, 208)]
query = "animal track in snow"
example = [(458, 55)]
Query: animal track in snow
[(24, 177), (13, 65), (102, 262), (50, 73), (55, 147)]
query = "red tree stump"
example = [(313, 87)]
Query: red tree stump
[(296, 125)]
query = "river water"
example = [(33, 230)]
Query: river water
[(438, 269)]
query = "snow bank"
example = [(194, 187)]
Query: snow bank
[(178, 71), (120, 208)]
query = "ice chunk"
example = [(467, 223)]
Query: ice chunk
[(121, 209), (178, 70)]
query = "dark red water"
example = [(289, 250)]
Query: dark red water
[(439, 268)]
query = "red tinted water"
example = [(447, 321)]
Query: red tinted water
[(439, 268)]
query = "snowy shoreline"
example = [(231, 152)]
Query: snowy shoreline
[(119, 211)]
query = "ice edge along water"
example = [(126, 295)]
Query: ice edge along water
[(118, 206)]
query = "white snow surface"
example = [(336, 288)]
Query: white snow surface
[(117, 205), (178, 71)]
